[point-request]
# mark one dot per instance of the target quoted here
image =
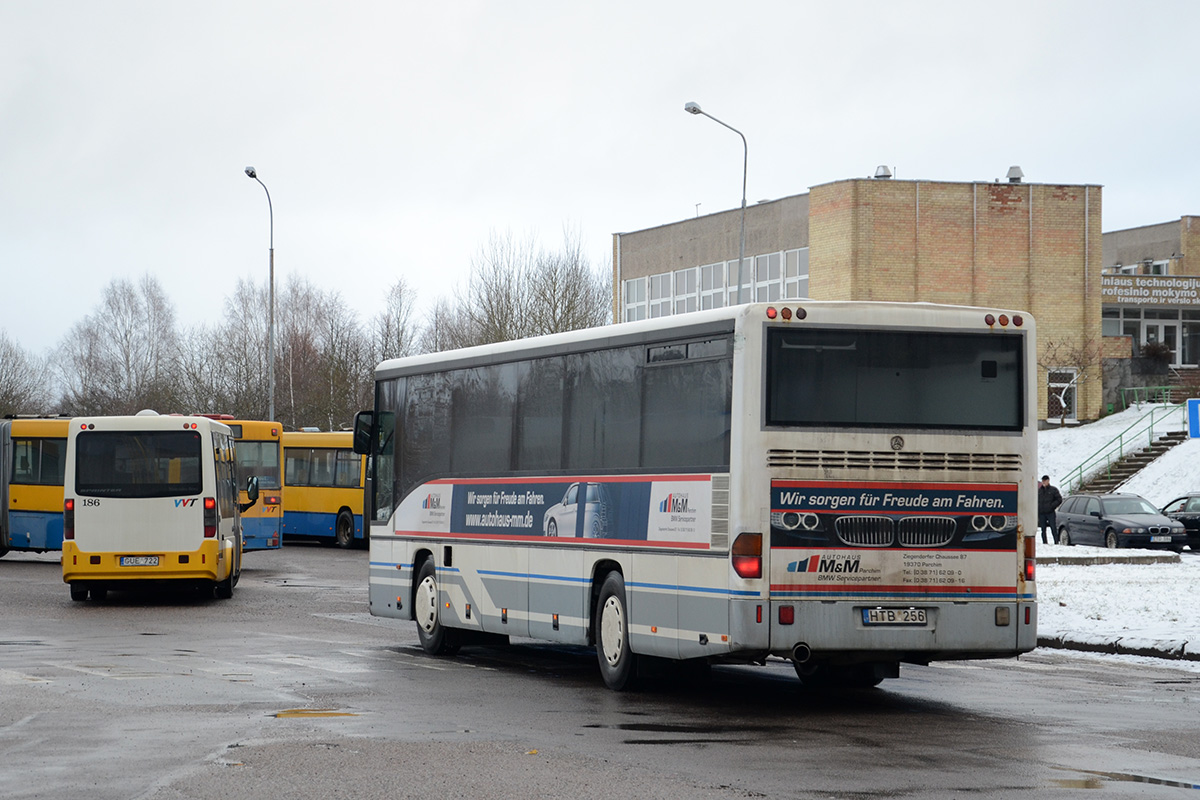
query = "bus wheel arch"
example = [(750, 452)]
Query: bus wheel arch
[(436, 639), (343, 528)]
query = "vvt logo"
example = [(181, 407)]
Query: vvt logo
[(185, 503), (433, 501), (675, 503)]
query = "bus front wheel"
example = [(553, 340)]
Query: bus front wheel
[(344, 530), (618, 663), (435, 639)]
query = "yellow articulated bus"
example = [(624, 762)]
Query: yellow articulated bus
[(32, 460), (151, 498), (322, 487)]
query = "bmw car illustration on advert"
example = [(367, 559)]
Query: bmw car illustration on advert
[(584, 512)]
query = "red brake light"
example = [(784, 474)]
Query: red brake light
[(1018, 320), (990, 320), (1004, 319), (210, 517), (69, 519), (1030, 558), (747, 555), (771, 312), (786, 313)]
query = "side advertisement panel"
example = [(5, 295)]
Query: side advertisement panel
[(671, 510)]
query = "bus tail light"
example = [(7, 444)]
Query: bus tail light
[(271, 500), (1030, 558), (210, 517), (747, 555), (69, 519)]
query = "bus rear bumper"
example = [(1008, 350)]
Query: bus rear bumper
[(207, 563), (849, 631)]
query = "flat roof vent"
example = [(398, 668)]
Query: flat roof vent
[(882, 172), (1015, 174)]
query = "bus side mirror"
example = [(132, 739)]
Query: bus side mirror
[(251, 492), (363, 422)]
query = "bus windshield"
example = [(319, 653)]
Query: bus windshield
[(138, 464), (895, 378), (259, 459)]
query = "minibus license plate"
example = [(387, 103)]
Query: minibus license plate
[(894, 616), (139, 561)]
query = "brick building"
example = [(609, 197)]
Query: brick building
[(1025, 246)]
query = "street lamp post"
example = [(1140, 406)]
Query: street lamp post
[(694, 108), (271, 303)]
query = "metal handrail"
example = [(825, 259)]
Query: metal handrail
[(1146, 394), (1140, 433)]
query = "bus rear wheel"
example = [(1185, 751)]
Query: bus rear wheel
[(344, 530), (435, 639), (79, 592), (618, 663)]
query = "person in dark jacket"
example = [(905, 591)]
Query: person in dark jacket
[(1049, 499)]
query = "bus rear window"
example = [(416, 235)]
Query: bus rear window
[(895, 379), (138, 464), (259, 459)]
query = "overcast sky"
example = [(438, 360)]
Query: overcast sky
[(395, 136)]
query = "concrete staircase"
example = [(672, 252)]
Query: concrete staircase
[(1131, 464)]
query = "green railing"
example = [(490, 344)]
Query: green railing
[(1142, 433), (1137, 395)]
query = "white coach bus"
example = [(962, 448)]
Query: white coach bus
[(151, 498), (845, 485)]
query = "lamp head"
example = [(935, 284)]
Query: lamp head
[(692, 108), (251, 173)]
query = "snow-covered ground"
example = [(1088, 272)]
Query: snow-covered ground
[(1145, 601)]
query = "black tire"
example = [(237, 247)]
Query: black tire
[(824, 676), (343, 530), (224, 589), (552, 528), (1064, 537), (435, 639), (618, 663), (99, 594), (79, 592), (1110, 539)]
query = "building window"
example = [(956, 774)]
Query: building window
[(687, 293), (747, 273), (1060, 395), (768, 277), (660, 295), (795, 274), (712, 286), (635, 299)]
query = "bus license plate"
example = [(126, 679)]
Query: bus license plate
[(1160, 538), (139, 561), (894, 616)]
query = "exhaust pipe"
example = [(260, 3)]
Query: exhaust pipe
[(801, 653)]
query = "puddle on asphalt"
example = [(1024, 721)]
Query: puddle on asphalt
[(1098, 780), (291, 713)]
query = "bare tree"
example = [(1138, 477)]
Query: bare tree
[(24, 380), (568, 292), (517, 289), (394, 334), (120, 358)]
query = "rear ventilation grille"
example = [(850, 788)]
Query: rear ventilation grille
[(891, 461), (719, 539)]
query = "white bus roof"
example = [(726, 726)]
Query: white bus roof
[(696, 323)]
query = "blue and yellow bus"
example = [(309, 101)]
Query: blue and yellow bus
[(257, 452), (32, 462), (322, 487)]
